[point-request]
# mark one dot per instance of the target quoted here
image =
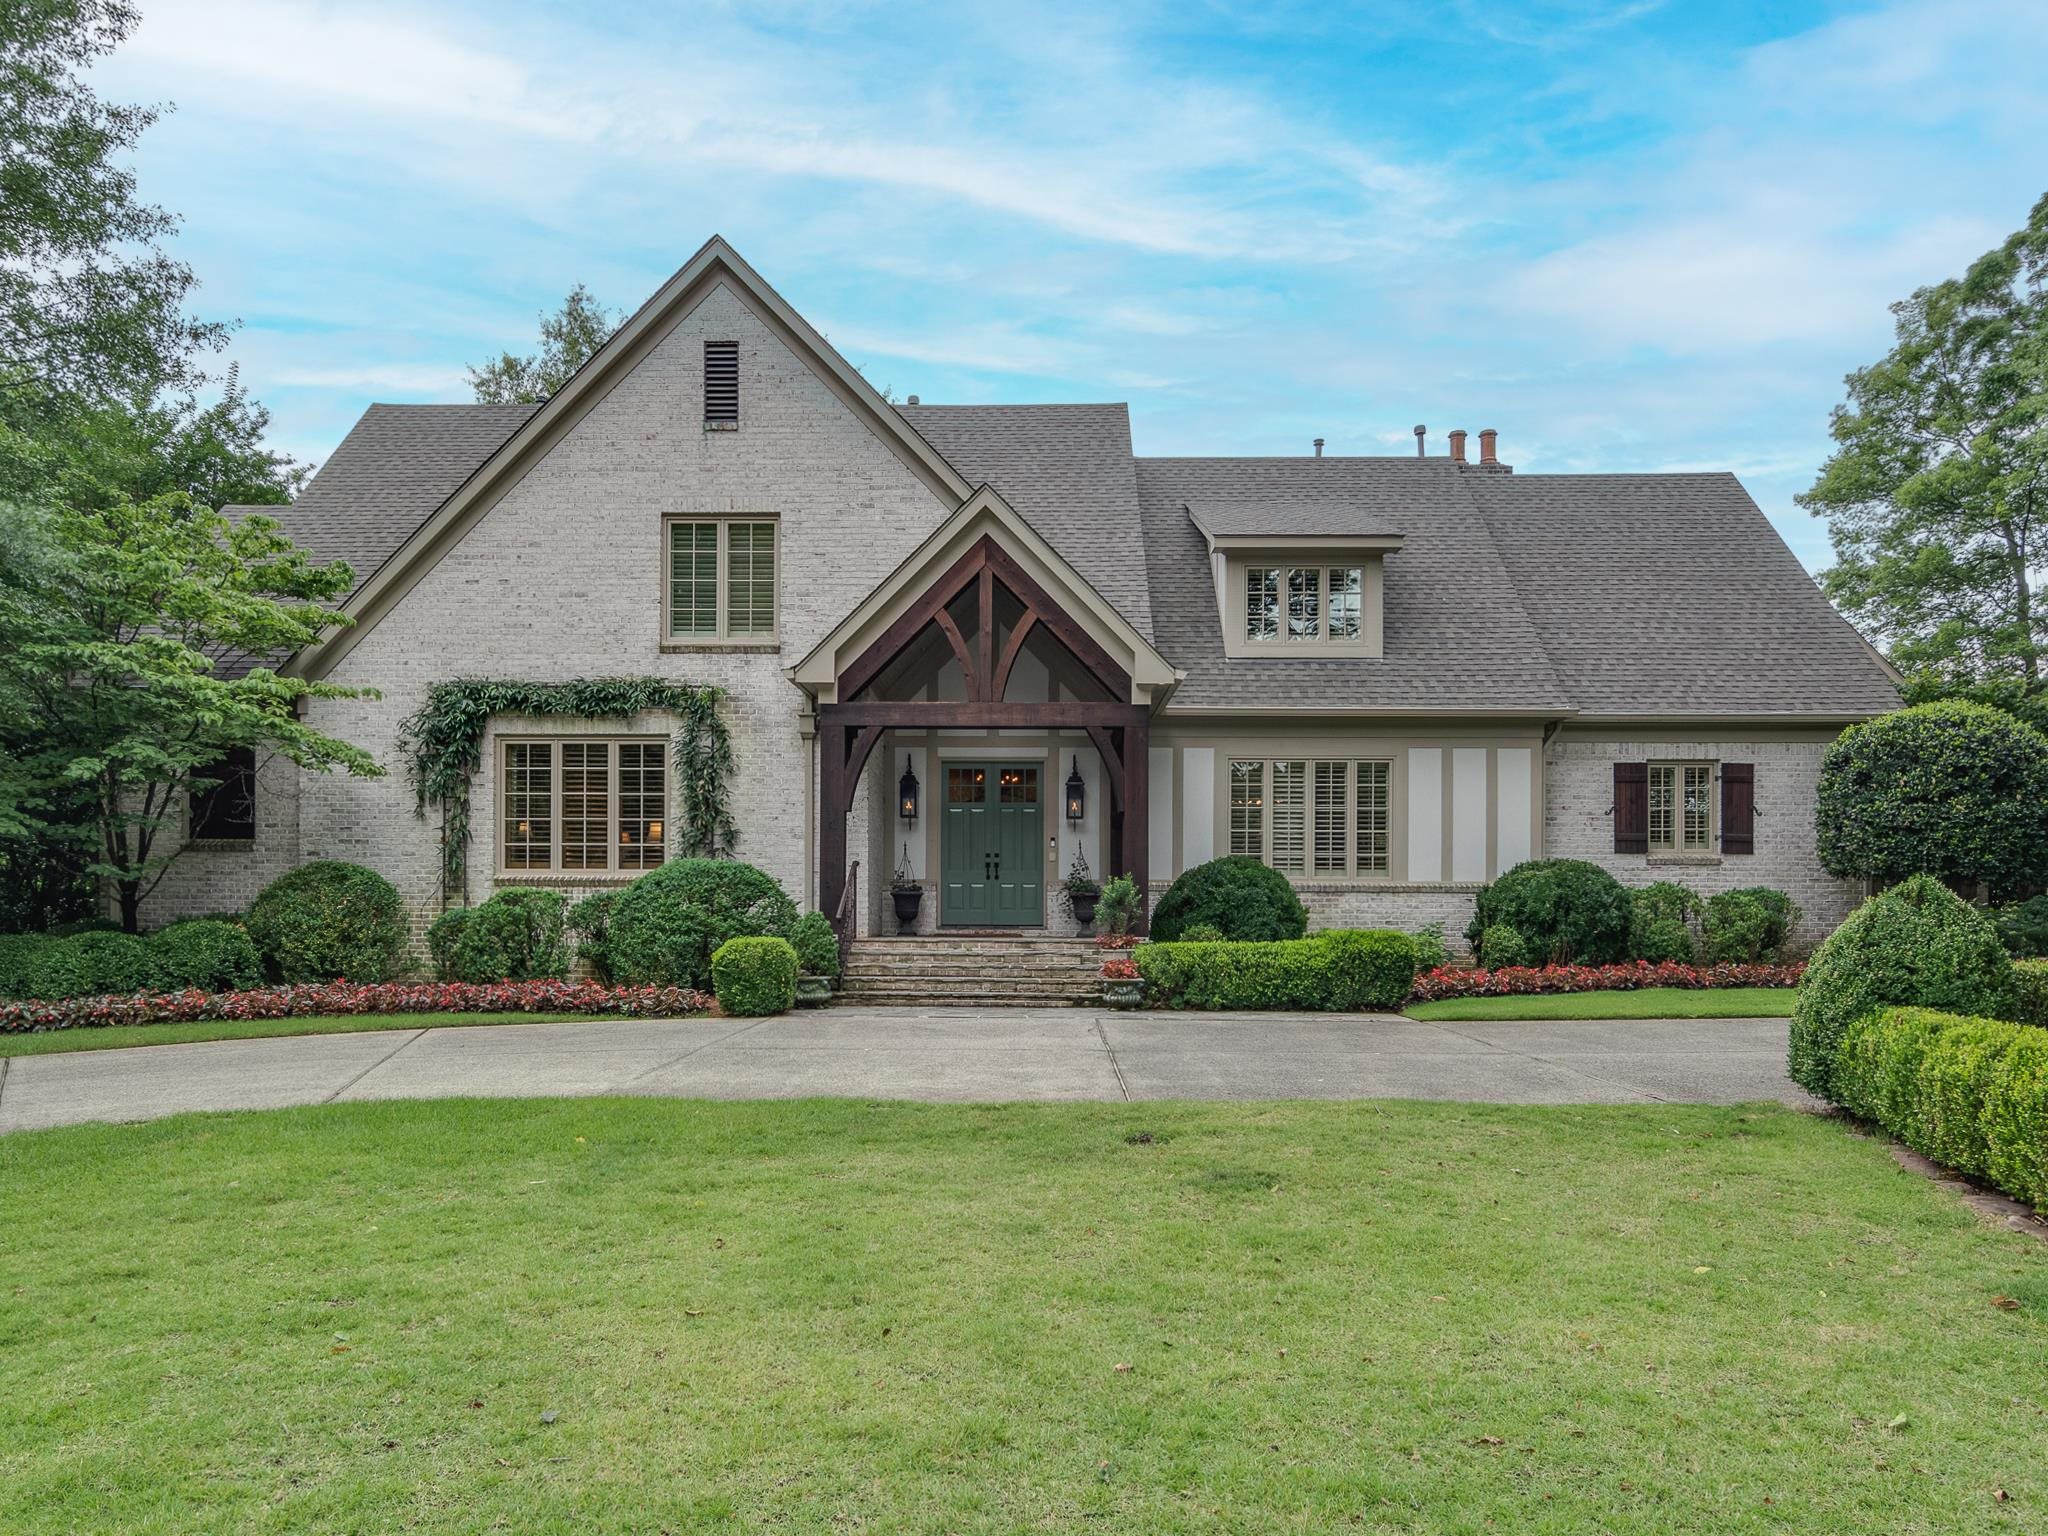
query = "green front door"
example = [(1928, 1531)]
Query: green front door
[(991, 848)]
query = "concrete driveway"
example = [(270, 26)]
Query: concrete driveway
[(990, 1055)]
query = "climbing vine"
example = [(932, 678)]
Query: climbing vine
[(443, 744)]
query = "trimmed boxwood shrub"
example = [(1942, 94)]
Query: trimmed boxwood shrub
[(2030, 991), (442, 934), (18, 952), (87, 964), (209, 953), (1500, 945), (1971, 1093), (590, 919), (1239, 897), (2024, 927), (754, 976), (1567, 911), (329, 920), (1915, 945), (515, 936), (666, 925), (817, 947), (1663, 919), (1750, 926), (1344, 969)]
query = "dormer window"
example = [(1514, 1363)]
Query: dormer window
[(1297, 580), (1324, 604)]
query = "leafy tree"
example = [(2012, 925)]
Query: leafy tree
[(1937, 494), (112, 621), (1954, 790), (90, 304), (567, 339)]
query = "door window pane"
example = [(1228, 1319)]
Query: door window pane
[(1290, 797), (964, 786), (1347, 589), (529, 804), (586, 804), (1262, 603), (1332, 818), (693, 578), (1304, 605), (643, 804), (1019, 786), (1372, 816), (750, 578), (1248, 809)]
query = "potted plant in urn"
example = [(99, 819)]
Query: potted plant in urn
[(1117, 907), (1079, 892), (1122, 986), (817, 959), (907, 892)]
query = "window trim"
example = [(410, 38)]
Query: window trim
[(1308, 874), (194, 803), (1678, 847), (1238, 568), (555, 874), (723, 638)]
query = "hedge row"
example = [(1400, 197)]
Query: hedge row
[(1970, 1093), (2030, 991), (345, 998), (1341, 970), (207, 953), (1530, 980)]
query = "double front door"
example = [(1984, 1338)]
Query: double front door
[(992, 846)]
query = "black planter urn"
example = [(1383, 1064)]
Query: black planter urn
[(908, 898), (1084, 909)]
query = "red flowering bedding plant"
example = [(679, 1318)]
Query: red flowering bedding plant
[(1527, 980), (1119, 968), (346, 997), (1118, 940)]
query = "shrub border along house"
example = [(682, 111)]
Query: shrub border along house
[(1338, 970), (345, 998)]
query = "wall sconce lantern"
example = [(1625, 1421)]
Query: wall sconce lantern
[(906, 793), (1077, 793)]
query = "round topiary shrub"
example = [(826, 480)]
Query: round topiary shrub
[(1916, 945), (666, 925), (817, 947), (329, 921), (515, 936), (89, 964), (1663, 917), (1201, 933), (1749, 925), (442, 934), (1567, 911), (754, 976), (1239, 897), (1500, 945), (1953, 789), (204, 952), (18, 952)]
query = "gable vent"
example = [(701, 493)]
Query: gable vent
[(721, 384)]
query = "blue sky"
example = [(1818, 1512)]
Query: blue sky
[(1628, 235)]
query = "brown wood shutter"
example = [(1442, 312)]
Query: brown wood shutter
[(1738, 808), (1631, 807)]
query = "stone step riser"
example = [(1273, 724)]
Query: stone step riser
[(925, 965)]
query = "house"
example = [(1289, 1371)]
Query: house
[(1390, 677)]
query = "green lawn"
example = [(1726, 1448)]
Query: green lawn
[(251, 1029), (1647, 1003), (644, 1315)]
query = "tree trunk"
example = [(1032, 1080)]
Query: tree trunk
[(131, 905)]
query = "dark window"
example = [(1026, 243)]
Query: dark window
[(721, 383), (227, 812)]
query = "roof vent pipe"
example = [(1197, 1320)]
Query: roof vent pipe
[(1458, 446), (1319, 447), (911, 401), (1487, 439), (1420, 432)]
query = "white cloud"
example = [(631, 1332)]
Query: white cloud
[(392, 378)]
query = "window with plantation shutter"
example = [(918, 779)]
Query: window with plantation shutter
[(1290, 797), (722, 576), (1323, 819), (721, 385), (584, 807)]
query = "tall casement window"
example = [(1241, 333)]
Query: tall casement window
[(583, 807), (721, 579), (226, 813), (1681, 810), (721, 386), (1324, 819), (1313, 604)]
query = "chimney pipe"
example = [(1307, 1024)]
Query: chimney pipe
[(1487, 439), (1319, 447), (1420, 432), (1458, 446)]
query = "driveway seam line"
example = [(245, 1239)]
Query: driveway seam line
[(1115, 1066), (5, 1063), (373, 1066), (702, 1045), (1595, 1077)]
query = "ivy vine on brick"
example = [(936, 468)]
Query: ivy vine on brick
[(443, 744)]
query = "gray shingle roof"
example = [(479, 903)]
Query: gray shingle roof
[(1673, 595), (1294, 519), (1068, 471), (1456, 633)]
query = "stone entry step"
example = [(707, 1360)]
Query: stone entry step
[(979, 969)]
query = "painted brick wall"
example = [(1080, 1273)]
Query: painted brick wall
[(563, 579)]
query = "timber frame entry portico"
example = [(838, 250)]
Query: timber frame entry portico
[(998, 548)]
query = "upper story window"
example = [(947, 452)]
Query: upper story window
[(226, 811), (721, 386), (1313, 604), (1681, 807), (721, 579), (583, 807)]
